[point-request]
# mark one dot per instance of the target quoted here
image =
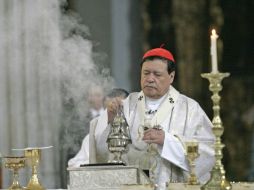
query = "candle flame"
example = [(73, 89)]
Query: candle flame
[(214, 34)]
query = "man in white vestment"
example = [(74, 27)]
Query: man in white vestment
[(175, 118)]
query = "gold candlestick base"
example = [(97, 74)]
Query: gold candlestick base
[(33, 158), (15, 163), (217, 179)]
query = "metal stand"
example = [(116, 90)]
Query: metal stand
[(217, 180)]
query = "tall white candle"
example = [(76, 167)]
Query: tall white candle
[(214, 37)]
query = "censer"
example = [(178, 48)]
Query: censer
[(119, 137)]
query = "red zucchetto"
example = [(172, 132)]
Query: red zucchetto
[(161, 52)]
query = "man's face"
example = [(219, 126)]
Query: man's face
[(95, 98), (155, 80)]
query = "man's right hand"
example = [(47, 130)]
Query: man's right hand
[(113, 107)]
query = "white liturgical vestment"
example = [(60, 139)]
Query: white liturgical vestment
[(182, 119), (87, 152)]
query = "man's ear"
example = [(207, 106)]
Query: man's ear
[(172, 76)]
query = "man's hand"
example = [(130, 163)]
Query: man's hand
[(112, 108), (154, 136)]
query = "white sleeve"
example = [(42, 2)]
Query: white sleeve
[(82, 157), (198, 128), (173, 151)]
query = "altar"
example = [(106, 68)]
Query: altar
[(105, 177), (125, 178)]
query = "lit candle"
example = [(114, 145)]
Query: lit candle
[(214, 37)]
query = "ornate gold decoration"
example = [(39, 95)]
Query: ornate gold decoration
[(217, 179), (33, 158), (15, 163), (192, 154), (119, 137)]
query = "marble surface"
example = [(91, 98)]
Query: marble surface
[(125, 178), (105, 177)]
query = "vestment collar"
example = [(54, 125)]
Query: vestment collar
[(164, 109)]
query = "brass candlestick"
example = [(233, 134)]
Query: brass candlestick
[(192, 154), (217, 179), (33, 158), (15, 163)]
